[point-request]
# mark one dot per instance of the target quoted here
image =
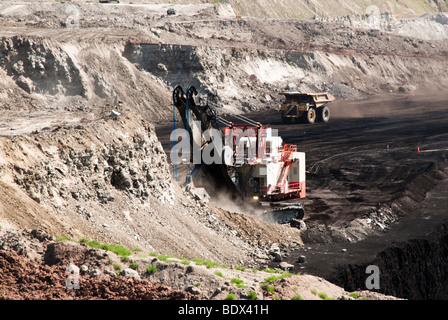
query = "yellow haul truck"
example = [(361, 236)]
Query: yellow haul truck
[(306, 106)]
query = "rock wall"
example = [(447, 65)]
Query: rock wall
[(135, 164), (241, 70), (416, 269), (73, 75), (37, 69), (237, 79)]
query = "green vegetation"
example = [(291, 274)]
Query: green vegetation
[(271, 270), (252, 295), (297, 297), (133, 266), (116, 248), (270, 289), (240, 268), (208, 263), (63, 238), (238, 282), (324, 296), (166, 258), (219, 273), (151, 269), (277, 277), (230, 296), (163, 257), (355, 295)]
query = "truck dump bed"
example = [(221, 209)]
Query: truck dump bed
[(306, 106)]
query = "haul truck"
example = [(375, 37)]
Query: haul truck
[(308, 107)]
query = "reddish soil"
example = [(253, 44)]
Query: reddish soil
[(22, 279)]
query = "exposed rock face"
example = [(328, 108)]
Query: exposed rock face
[(416, 269), (35, 68), (134, 163)]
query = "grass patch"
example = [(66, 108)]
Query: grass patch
[(63, 238), (271, 270), (230, 296), (252, 295), (239, 268), (313, 291), (166, 257), (277, 277), (324, 296), (297, 297), (151, 269), (355, 295), (116, 248), (270, 289), (219, 274), (238, 282), (163, 257), (207, 263), (133, 266)]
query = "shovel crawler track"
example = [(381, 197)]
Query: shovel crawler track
[(284, 213)]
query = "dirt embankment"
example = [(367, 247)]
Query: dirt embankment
[(241, 64), (35, 266)]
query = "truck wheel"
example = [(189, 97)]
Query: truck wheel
[(310, 116), (324, 114)]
